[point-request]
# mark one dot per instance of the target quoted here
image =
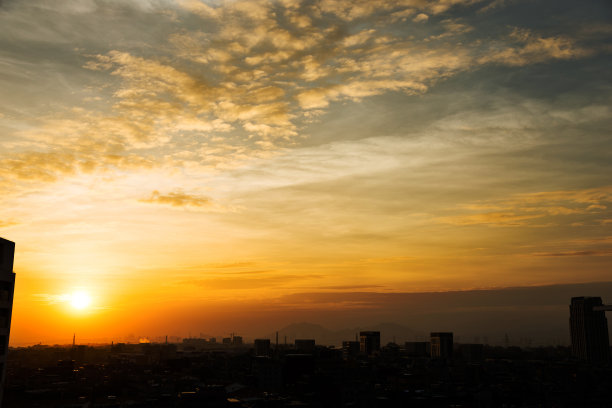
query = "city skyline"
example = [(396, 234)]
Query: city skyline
[(172, 166)]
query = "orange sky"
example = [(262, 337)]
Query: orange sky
[(183, 162)]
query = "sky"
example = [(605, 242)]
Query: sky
[(189, 166)]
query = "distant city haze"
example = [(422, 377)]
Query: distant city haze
[(528, 316), (187, 167)]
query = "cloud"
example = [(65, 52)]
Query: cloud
[(492, 218), (178, 199), (66, 151), (251, 76), (6, 224), (493, 5), (521, 209), (245, 282), (524, 47), (592, 196), (575, 253), (53, 299), (348, 287), (420, 18)]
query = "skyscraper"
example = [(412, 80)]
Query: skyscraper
[(442, 345), (7, 287), (589, 329), (369, 342)]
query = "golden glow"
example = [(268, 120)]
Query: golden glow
[(80, 300)]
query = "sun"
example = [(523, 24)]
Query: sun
[(80, 300)]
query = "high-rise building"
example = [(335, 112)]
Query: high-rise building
[(442, 345), (589, 329), (369, 342), (7, 288)]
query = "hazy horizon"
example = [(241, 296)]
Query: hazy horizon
[(530, 316)]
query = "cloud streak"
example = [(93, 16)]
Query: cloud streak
[(524, 209), (178, 199)]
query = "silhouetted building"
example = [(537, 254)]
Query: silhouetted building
[(237, 340), (442, 345), (227, 340), (589, 329), (369, 342), (350, 349), (306, 346), (262, 347), (7, 288), (417, 348)]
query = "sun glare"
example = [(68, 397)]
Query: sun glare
[(80, 300)]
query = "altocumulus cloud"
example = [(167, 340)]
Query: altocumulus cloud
[(252, 73), (236, 79)]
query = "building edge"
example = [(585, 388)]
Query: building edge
[(7, 291)]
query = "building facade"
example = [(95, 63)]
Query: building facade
[(369, 342), (7, 290), (442, 345), (589, 330)]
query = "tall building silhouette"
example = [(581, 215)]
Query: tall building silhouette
[(369, 342), (7, 288), (589, 329), (442, 345)]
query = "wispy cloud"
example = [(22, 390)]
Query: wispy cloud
[(178, 199), (575, 253), (256, 281), (505, 219), (52, 299), (7, 223), (524, 47), (522, 209)]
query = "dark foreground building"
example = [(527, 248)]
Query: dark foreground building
[(589, 329), (7, 287), (442, 345), (369, 342)]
